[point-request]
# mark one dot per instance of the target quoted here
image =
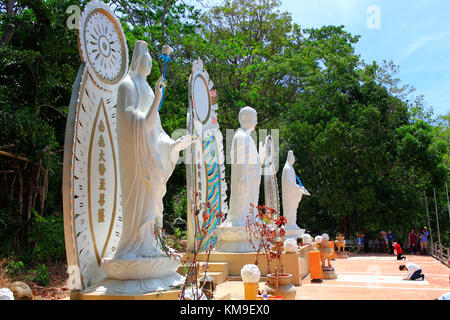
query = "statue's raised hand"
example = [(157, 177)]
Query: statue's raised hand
[(158, 88), (184, 142), (181, 144)]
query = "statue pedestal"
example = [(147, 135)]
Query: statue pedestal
[(139, 269), (233, 239), (138, 276), (329, 274), (293, 232), (93, 295), (341, 255)]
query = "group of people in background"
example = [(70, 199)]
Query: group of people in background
[(417, 242), (362, 238)]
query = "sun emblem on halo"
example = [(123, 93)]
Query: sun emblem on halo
[(103, 47)]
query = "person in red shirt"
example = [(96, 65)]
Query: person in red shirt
[(398, 250), (413, 242)]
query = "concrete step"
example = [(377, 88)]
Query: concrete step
[(218, 276), (239, 278), (218, 266), (212, 267)]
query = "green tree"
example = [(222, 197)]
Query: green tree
[(38, 62)]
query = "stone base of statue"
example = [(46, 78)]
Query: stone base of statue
[(139, 276), (341, 255), (92, 294), (293, 232), (233, 239), (329, 274)]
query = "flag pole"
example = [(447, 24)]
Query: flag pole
[(448, 204), (437, 216), (428, 215)]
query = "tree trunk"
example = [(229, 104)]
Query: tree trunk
[(345, 226), (9, 28), (8, 32)]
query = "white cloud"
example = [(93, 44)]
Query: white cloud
[(430, 43)]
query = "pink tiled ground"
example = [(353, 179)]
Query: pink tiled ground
[(368, 277)]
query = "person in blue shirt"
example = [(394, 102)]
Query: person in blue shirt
[(424, 241), (391, 238), (358, 242)]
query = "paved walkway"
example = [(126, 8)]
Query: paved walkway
[(367, 277)]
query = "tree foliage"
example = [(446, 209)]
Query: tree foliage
[(367, 149)]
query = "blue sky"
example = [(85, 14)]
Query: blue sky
[(415, 35)]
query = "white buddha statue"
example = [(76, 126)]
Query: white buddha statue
[(147, 158), (292, 194), (245, 169), (246, 165)]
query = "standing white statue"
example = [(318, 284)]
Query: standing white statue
[(246, 165), (147, 159), (245, 169), (292, 195)]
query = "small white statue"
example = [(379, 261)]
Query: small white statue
[(147, 159), (318, 239), (292, 195), (306, 239), (325, 236), (290, 245)]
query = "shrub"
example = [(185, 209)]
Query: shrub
[(40, 276)]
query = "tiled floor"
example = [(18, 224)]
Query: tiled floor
[(367, 277)]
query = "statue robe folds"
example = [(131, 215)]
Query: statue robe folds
[(147, 158), (145, 167)]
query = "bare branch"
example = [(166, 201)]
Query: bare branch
[(7, 154)]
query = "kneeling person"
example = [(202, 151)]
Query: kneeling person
[(414, 271), (398, 251)]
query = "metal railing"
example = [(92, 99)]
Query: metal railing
[(439, 252)]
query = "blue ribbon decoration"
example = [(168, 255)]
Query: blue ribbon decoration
[(299, 182), (166, 59)]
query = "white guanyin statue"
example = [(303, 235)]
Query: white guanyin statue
[(292, 194), (147, 158), (246, 165)]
